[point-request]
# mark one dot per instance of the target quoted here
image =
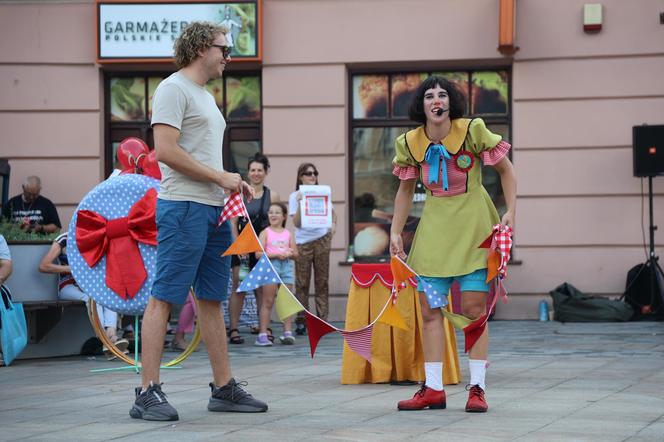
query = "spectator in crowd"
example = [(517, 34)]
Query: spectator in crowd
[(280, 248), (55, 261), (257, 170), (186, 323), (313, 245), (31, 211), (5, 272)]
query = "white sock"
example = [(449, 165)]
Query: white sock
[(477, 372), (433, 372)]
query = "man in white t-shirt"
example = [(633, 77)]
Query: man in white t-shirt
[(188, 134)]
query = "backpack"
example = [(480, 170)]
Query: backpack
[(648, 304), (571, 305)]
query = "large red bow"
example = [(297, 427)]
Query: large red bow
[(117, 239)]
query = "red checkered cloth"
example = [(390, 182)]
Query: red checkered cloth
[(234, 207), (502, 242)]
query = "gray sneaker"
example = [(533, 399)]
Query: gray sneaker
[(151, 405), (231, 397)]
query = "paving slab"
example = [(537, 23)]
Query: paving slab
[(546, 381)]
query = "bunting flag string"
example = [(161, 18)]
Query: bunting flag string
[(246, 242), (316, 329), (359, 340), (232, 208), (287, 305), (392, 317)]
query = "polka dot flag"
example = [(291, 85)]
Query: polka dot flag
[(112, 199), (436, 297), (262, 274)]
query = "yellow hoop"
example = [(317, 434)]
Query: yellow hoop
[(101, 334)]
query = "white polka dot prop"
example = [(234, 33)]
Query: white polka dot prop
[(112, 199), (436, 297), (262, 274)]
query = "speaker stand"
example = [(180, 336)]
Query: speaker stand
[(656, 272)]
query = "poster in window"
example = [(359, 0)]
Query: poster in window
[(216, 88), (404, 87), (489, 92), (458, 78), (243, 97), (370, 96), (316, 206), (127, 99)]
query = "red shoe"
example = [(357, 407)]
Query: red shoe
[(476, 402), (425, 397)]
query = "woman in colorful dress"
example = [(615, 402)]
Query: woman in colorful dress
[(447, 152)]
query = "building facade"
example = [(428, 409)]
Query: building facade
[(331, 89)]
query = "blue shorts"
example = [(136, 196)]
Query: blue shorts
[(285, 268), (438, 288), (189, 248)]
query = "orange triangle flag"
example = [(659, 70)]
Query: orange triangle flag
[(246, 242), (392, 317), (492, 264), (400, 272)]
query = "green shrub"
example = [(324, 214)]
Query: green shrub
[(13, 233)]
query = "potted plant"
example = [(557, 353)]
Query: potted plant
[(27, 250)]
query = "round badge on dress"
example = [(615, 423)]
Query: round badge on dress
[(464, 160)]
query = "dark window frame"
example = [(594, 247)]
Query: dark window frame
[(254, 126), (354, 123)]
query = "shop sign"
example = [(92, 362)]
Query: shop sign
[(131, 32)]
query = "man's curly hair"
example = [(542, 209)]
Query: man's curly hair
[(197, 36)]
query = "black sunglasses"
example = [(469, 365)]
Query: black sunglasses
[(310, 173), (225, 50)]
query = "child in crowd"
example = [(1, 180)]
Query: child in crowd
[(280, 248), (185, 324)]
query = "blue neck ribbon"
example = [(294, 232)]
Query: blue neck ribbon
[(432, 158)]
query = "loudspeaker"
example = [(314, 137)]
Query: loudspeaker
[(648, 150)]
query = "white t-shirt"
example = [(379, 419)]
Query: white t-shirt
[(185, 105), (303, 236), (4, 249)]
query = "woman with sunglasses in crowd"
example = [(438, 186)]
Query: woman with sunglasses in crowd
[(447, 153), (313, 245)]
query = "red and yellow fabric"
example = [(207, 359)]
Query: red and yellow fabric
[(396, 354)]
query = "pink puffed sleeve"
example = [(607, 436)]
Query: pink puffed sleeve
[(406, 172), (494, 155), (404, 166)]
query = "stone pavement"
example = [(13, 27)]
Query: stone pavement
[(547, 382)]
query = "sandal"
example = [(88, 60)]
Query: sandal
[(269, 335), (237, 339), (254, 330), (179, 346)]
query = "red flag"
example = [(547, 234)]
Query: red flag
[(316, 329), (473, 331)]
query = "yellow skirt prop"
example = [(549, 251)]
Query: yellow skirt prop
[(396, 354)]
